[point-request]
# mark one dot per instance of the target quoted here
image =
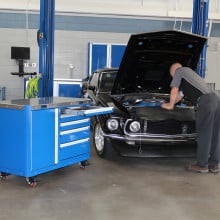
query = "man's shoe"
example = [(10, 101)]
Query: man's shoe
[(197, 168), (214, 168)]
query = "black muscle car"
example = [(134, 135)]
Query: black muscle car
[(136, 91)]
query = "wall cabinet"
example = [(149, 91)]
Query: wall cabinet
[(104, 56)]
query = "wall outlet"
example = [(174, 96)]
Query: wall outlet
[(34, 65), (71, 66), (26, 64)]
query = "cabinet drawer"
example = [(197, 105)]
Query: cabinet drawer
[(74, 124), (74, 134), (71, 117), (76, 113), (74, 148)]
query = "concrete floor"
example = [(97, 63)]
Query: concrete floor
[(126, 188)]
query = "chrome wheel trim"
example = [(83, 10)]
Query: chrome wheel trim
[(99, 138)]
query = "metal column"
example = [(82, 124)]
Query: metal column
[(46, 47), (199, 26)]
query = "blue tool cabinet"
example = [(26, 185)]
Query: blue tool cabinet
[(43, 134)]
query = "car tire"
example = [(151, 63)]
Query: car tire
[(101, 144)]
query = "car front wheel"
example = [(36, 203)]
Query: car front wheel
[(101, 144), (99, 140)]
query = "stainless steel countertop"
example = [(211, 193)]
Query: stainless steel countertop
[(42, 103)]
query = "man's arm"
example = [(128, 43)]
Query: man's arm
[(174, 98)]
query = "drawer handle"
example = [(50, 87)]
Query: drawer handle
[(74, 142), (74, 122), (75, 130)]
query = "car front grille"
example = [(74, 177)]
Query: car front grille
[(171, 127), (165, 127)]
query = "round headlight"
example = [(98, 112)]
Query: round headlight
[(135, 126), (112, 124)]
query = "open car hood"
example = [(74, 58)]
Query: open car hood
[(148, 56)]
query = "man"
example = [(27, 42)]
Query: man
[(186, 81)]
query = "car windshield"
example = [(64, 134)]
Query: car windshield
[(106, 81)]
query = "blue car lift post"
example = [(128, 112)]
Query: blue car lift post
[(42, 134), (46, 47), (199, 26)]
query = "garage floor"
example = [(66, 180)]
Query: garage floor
[(156, 188)]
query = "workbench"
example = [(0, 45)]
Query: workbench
[(43, 134)]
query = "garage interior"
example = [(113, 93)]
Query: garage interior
[(119, 187)]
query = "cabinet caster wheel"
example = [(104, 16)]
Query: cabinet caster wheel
[(31, 181), (82, 167), (3, 176), (83, 164)]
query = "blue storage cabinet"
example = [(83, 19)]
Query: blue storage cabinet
[(2, 93), (70, 90), (104, 56), (44, 134), (98, 55), (117, 52), (67, 87)]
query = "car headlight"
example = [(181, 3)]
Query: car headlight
[(135, 126), (112, 124)]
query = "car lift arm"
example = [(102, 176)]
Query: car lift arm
[(46, 47), (199, 26)]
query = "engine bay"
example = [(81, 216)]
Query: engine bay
[(149, 100)]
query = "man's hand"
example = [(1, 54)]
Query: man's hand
[(167, 106), (174, 98)]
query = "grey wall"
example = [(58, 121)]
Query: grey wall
[(72, 35), (15, 37), (213, 63), (72, 48)]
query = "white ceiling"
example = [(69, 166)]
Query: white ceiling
[(158, 8)]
